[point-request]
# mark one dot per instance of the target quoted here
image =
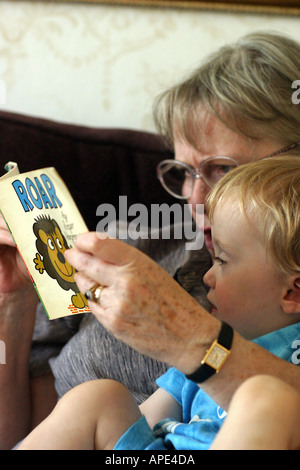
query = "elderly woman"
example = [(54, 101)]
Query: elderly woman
[(235, 108)]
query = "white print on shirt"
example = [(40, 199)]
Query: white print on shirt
[(221, 413), (197, 419)]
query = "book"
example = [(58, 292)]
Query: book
[(44, 221)]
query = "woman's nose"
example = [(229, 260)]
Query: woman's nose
[(200, 191)]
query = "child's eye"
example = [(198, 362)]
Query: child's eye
[(220, 260)]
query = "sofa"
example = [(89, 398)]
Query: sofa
[(97, 164)]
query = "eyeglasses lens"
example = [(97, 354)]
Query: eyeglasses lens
[(214, 170), (178, 178)]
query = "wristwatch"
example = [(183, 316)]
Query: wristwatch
[(215, 356)]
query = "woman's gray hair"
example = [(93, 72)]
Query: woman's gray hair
[(247, 85)]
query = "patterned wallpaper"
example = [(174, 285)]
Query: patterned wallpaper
[(102, 65)]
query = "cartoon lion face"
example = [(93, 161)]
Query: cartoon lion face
[(51, 245), (56, 246)]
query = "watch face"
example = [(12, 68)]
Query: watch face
[(217, 356)]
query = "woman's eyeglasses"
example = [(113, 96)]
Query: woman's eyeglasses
[(178, 178)]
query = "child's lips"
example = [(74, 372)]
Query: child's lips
[(213, 310)]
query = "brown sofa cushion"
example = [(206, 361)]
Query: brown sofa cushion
[(97, 164)]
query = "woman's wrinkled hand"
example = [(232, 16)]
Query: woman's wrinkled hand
[(141, 304)]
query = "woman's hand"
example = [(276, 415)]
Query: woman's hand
[(141, 304), (13, 273)]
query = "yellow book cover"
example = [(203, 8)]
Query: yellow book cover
[(44, 221)]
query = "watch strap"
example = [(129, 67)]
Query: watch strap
[(205, 371)]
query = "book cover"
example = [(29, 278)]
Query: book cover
[(44, 221)]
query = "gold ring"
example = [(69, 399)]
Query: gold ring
[(94, 293)]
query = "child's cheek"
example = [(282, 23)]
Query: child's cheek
[(226, 302)]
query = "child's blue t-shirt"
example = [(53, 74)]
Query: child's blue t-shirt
[(202, 417)]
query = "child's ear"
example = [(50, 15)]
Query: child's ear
[(291, 301)]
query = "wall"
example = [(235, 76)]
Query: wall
[(102, 65)]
